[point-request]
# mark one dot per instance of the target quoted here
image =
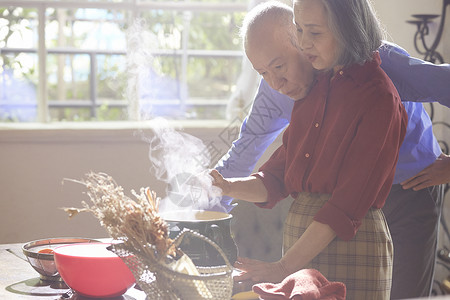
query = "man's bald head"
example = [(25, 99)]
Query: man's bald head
[(270, 44), (265, 20)]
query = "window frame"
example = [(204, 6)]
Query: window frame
[(133, 6)]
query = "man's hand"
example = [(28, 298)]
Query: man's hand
[(435, 174), (259, 271)]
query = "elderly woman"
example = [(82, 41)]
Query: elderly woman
[(338, 155)]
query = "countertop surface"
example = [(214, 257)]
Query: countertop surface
[(18, 280)]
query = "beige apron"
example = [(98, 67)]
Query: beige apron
[(363, 264)]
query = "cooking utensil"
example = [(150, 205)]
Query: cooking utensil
[(91, 270), (44, 263), (211, 224)]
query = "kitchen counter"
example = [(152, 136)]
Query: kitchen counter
[(19, 280)]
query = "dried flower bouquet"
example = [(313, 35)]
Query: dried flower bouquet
[(135, 222), (162, 270)]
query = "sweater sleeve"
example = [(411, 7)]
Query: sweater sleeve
[(269, 115)]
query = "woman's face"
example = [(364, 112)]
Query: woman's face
[(314, 35)]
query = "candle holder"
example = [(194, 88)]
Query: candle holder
[(433, 56), (422, 21)]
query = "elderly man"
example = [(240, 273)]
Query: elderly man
[(414, 204)]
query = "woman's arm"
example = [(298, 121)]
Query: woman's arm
[(249, 188), (316, 238)]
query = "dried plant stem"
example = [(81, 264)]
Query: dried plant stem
[(136, 222)]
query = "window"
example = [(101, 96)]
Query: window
[(118, 60)]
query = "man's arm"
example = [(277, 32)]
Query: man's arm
[(269, 115), (419, 81), (416, 80)]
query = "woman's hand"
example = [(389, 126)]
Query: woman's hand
[(259, 271), (220, 182)]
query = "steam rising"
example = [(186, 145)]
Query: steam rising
[(140, 61), (173, 152), (179, 159), (182, 161)]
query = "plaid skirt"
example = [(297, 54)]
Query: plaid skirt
[(363, 264)]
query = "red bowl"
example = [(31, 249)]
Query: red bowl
[(91, 270)]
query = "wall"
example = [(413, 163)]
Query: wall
[(394, 14), (35, 161)]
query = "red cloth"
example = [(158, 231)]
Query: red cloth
[(306, 284), (343, 140)]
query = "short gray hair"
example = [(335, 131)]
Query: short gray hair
[(356, 28), (273, 12)]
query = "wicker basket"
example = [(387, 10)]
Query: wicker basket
[(160, 281)]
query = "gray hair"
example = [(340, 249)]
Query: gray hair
[(356, 28), (271, 12)]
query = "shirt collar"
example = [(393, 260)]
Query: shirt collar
[(360, 73)]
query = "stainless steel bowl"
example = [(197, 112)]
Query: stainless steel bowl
[(44, 263)]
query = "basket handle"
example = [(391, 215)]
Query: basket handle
[(186, 231)]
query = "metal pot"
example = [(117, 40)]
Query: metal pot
[(211, 224)]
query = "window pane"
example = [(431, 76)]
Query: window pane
[(207, 78), (111, 81), (68, 77), (83, 80), (18, 68), (215, 31), (86, 28), (165, 26)]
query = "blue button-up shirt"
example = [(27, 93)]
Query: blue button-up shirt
[(414, 79)]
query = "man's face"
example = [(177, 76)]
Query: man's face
[(280, 63)]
